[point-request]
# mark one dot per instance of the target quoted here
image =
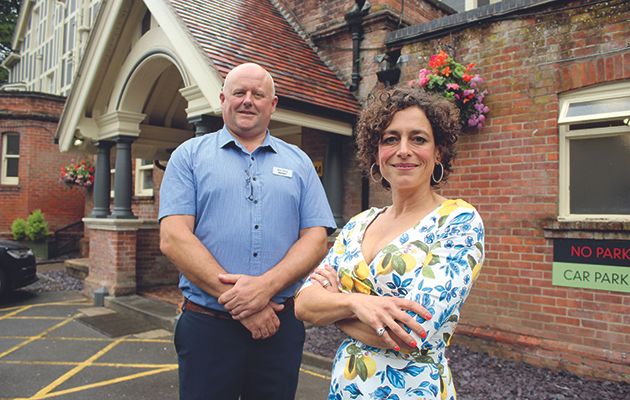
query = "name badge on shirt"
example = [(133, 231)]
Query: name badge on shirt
[(282, 172)]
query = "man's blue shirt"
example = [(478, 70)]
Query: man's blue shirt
[(249, 207)]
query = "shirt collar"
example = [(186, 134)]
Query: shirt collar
[(227, 139)]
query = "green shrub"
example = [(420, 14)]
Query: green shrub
[(36, 226), (18, 229)]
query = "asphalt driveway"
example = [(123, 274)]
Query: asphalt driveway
[(45, 352), (48, 350)]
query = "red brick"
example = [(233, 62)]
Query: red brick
[(40, 161)]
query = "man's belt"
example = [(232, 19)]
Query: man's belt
[(194, 307)]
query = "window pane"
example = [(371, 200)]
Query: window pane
[(12, 167), (147, 162), (598, 124), (599, 107), (147, 182), (13, 144), (111, 182), (71, 33), (69, 71), (599, 178)]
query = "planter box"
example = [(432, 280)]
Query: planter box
[(43, 250)]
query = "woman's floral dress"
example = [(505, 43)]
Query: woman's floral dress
[(433, 263)]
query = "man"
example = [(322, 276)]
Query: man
[(244, 218)]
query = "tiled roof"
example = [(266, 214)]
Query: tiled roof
[(236, 31)]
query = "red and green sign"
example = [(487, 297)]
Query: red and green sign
[(592, 264)]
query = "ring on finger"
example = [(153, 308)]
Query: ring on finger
[(326, 283), (380, 331)]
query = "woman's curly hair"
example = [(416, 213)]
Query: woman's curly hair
[(379, 112)]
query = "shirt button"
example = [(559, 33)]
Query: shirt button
[(255, 201), (255, 254), (254, 179), (252, 157), (255, 226)]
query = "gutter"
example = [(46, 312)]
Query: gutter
[(462, 20)]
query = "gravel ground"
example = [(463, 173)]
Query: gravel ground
[(479, 376), (55, 281)]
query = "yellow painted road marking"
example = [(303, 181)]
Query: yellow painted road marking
[(95, 364), (104, 383), (9, 309), (48, 391), (122, 365), (141, 340), (34, 338), (19, 362), (17, 311), (54, 303), (79, 339), (84, 339), (316, 374), (35, 317), (75, 370)]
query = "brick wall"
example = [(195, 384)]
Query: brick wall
[(325, 25), (34, 117), (352, 181), (314, 143), (112, 262), (509, 171), (153, 268), (316, 15)]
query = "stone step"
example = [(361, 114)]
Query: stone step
[(77, 267), (157, 312)]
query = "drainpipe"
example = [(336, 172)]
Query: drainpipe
[(354, 17)]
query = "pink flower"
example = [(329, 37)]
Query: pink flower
[(423, 78), (457, 83)]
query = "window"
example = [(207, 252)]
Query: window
[(466, 5), (144, 177), (146, 23), (595, 153), (112, 181), (10, 158)]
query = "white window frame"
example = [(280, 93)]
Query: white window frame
[(141, 176), (472, 4), (4, 179), (611, 91)]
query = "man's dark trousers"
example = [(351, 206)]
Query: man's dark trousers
[(219, 360)]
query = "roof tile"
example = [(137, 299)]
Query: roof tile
[(232, 32)]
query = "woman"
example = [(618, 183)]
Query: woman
[(397, 276)]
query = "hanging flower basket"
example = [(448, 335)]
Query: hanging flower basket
[(79, 173), (458, 84)]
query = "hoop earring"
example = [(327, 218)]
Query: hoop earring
[(436, 181), (372, 173)]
